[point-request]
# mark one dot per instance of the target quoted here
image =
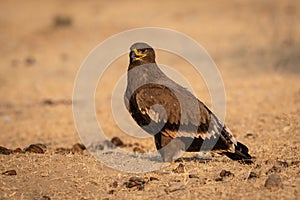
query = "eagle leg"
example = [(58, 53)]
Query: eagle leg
[(169, 148)]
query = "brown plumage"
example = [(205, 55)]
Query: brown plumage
[(173, 115)]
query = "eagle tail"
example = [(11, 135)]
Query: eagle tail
[(241, 152)]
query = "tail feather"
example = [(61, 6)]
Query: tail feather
[(241, 152)]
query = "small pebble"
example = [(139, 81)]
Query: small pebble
[(273, 169), (114, 184), (62, 21), (10, 172), (36, 148), (193, 176), (18, 150), (281, 163), (252, 175), (225, 173), (249, 135), (5, 151), (153, 178), (295, 162), (138, 150), (117, 142), (29, 61), (273, 181), (111, 192), (45, 197), (219, 179), (136, 182), (179, 169), (78, 148)]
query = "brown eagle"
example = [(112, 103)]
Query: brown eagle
[(177, 119)]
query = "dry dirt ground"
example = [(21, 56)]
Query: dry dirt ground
[(255, 44)]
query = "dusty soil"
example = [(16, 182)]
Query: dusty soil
[(255, 44)]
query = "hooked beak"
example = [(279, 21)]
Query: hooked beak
[(135, 55)]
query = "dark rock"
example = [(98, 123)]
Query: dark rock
[(249, 135), (295, 162), (153, 178), (273, 181), (45, 197), (281, 163), (225, 173), (136, 182), (193, 176), (253, 175), (179, 169), (36, 148), (273, 169), (78, 148), (29, 61), (219, 179), (5, 151), (138, 150), (62, 21), (18, 150), (111, 192), (117, 142), (10, 172), (114, 184)]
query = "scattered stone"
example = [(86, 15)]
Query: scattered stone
[(219, 179), (36, 148), (253, 175), (225, 173), (111, 192), (10, 172), (138, 150), (5, 151), (249, 135), (48, 102), (62, 21), (267, 162), (153, 178), (281, 163), (295, 162), (179, 169), (128, 145), (136, 182), (114, 184), (193, 176), (257, 166), (117, 142), (18, 150), (273, 181), (78, 148), (273, 169), (45, 197), (29, 61)]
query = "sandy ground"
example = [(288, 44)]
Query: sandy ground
[(255, 44)]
